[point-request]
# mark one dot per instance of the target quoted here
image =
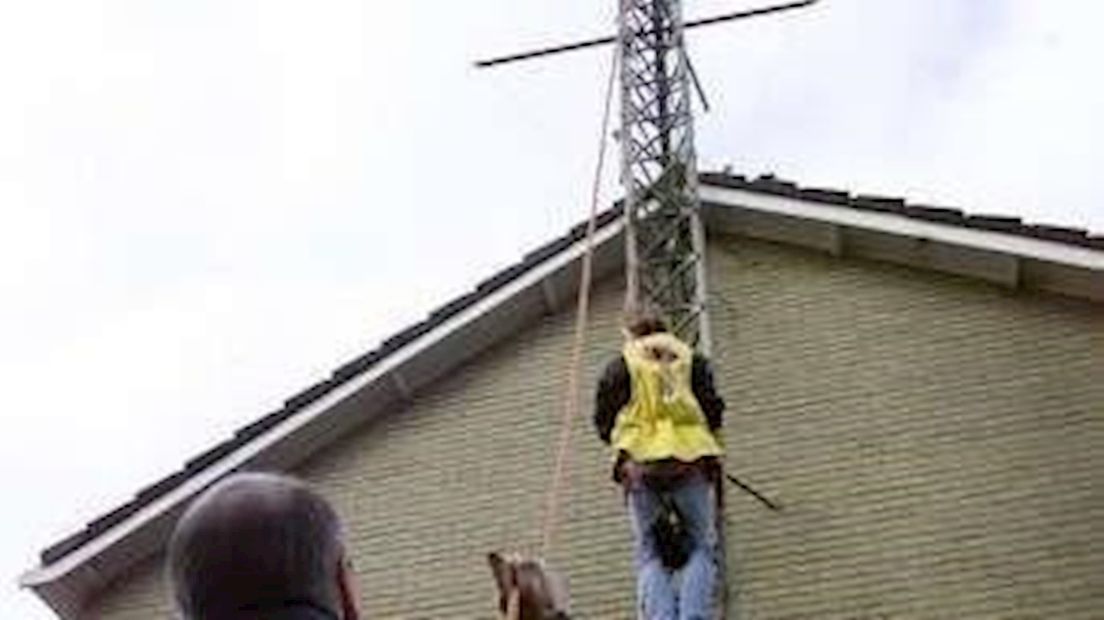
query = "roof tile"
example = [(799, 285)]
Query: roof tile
[(64, 547), (1058, 233), (829, 196), (454, 306), (995, 222), (548, 250), (500, 279), (209, 457), (773, 185), (258, 427), (309, 395), (104, 522), (935, 214), (878, 203), (358, 365)]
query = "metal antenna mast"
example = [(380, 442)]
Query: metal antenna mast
[(665, 241)]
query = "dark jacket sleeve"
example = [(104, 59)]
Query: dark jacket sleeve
[(701, 381), (613, 393)]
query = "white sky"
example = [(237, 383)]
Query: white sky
[(207, 205)]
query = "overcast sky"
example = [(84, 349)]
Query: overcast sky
[(207, 205)]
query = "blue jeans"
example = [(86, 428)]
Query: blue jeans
[(657, 597)]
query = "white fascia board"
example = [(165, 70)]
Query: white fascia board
[(243, 454), (1016, 245)]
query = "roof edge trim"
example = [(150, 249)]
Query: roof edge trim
[(992, 241)]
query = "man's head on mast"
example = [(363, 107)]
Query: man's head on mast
[(643, 323)]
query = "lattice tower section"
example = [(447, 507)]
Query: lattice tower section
[(665, 243)]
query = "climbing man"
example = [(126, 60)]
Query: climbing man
[(657, 407)]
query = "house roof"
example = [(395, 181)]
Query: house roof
[(547, 275), (771, 185), (313, 393)]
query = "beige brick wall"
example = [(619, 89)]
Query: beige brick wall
[(938, 441), (934, 441)]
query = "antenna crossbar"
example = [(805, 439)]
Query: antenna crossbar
[(588, 43)]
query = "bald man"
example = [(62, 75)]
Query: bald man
[(259, 546)]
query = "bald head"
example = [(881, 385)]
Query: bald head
[(256, 542)]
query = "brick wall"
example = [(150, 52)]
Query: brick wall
[(934, 440), (938, 441)]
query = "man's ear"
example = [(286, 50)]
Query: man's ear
[(503, 572), (348, 590)]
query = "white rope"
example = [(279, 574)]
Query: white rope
[(571, 403)]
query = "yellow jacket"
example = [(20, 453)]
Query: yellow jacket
[(662, 419)]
